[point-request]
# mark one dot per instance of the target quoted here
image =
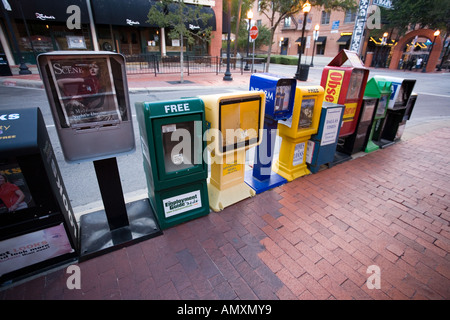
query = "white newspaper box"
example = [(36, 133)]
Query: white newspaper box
[(88, 97)]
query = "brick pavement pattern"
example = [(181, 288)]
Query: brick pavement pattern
[(313, 238)]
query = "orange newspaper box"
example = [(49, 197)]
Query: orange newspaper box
[(344, 80)]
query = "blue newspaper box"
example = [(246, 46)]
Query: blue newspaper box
[(280, 95), (322, 146)]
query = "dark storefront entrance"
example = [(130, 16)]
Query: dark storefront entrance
[(40, 26)]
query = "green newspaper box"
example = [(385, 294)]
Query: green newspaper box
[(172, 145), (380, 89)]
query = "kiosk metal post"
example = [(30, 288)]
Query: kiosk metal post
[(88, 97), (172, 146), (280, 94), (345, 85), (297, 130), (234, 123)]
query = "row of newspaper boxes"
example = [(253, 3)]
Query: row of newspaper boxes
[(316, 126)]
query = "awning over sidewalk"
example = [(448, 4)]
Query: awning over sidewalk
[(321, 40), (122, 13), (345, 39), (134, 13), (47, 10)]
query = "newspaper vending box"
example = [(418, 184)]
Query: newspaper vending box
[(172, 146), (280, 94), (235, 124), (38, 229), (88, 97), (297, 130)]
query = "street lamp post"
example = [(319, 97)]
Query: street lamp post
[(436, 33), (249, 17), (383, 51), (306, 8), (316, 36), (227, 75)]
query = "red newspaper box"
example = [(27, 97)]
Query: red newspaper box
[(344, 80)]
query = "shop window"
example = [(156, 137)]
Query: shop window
[(325, 19)]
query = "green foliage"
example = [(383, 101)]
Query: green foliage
[(177, 17)]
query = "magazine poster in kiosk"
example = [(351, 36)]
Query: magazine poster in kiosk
[(88, 97), (234, 124), (280, 95), (344, 80), (38, 229)]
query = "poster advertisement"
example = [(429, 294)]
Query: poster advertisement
[(182, 203), (282, 97), (14, 192), (32, 248), (85, 90), (306, 113), (331, 126)]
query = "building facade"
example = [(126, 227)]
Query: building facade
[(32, 27)]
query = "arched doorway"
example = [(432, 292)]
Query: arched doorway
[(408, 38)]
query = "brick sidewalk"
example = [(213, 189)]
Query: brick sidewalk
[(312, 238)]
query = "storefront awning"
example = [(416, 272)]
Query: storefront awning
[(321, 40), (344, 39), (134, 13), (47, 10), (122, 12)]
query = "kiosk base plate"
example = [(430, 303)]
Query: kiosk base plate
[(275, 180), (98, 239), (220, 199)]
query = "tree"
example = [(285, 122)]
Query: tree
[(183, 21), (277, 10)]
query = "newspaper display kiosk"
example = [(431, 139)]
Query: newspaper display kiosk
[(38, 229), (235, 124), (322, 146), (280, 94), (380, 89), (172, 146), (88, 97), (297, 130), (398, 110), (345, 84)]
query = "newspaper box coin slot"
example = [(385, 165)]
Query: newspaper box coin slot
[(235, 124), (297, 130), (88, 97), (280, 95), (38, 229)]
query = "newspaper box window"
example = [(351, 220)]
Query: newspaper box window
[(88, 97)]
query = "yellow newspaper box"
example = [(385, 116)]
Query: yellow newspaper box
[(235, 123), (297, 130)]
